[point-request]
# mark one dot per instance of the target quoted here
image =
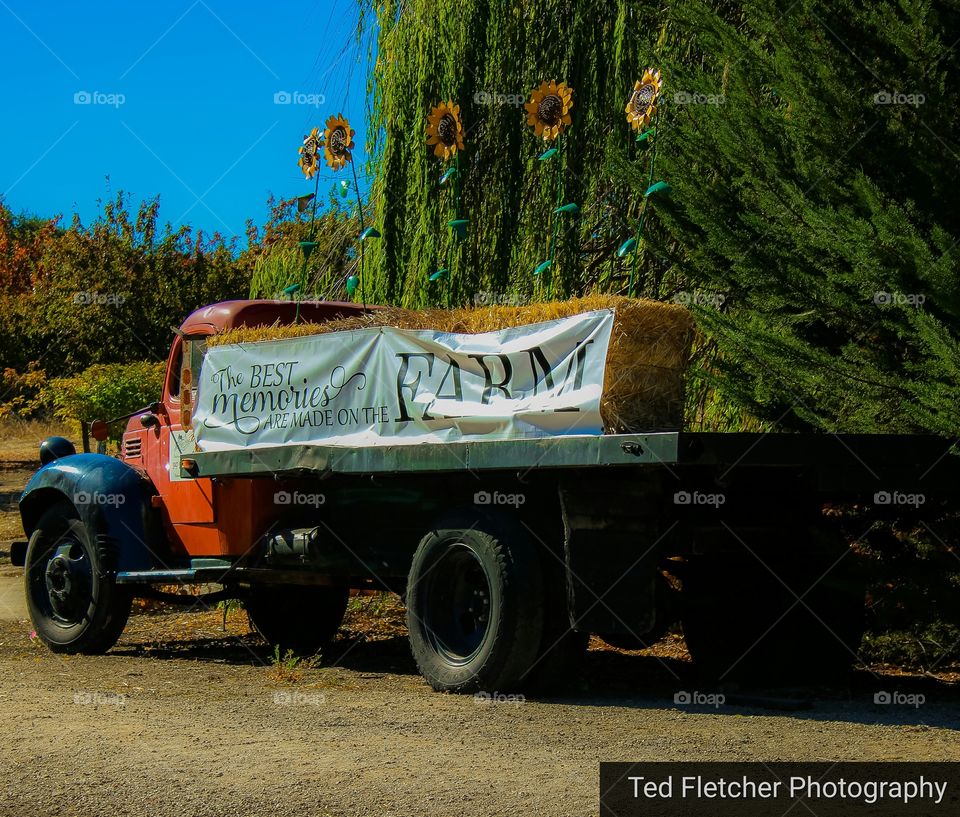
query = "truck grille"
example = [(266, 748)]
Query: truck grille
[(132, 448)]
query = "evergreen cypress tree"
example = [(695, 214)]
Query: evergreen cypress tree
[(818, 201)]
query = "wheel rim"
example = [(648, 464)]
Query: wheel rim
[(61, 582), (456, 604)]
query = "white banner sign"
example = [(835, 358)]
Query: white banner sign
[(383, 386)]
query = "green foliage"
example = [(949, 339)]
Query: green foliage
[(913, 582), (109, 292), (811, 149), (930, 646), (23, 393), (288, 668), (104, 391), (278, 260), (276, 269), (378, 605), (824, 219), (487, 57)]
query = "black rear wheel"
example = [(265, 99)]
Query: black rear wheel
[(74, 602), (793, 621), (474, 604), (666, 613)]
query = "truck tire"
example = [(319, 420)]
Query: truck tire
[(666, 615), (74, 602), (300, 618), (741, 624), (475, 604)]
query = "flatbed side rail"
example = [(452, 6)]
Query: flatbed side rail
[(575, 451), (840, 462)]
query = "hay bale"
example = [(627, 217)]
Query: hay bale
[(643, 387)]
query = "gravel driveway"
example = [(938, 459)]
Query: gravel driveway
[(182, 718)]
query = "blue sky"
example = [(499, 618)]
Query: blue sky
[(183, 99)]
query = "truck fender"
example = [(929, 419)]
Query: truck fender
[(112, 500)]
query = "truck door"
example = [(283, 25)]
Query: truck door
[(190, 500)]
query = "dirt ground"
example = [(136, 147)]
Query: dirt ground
[(184, 717)]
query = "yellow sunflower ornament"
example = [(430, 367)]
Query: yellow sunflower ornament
[(445, 130), (338, 142), (309, 153), (548, 110), (642, 104)]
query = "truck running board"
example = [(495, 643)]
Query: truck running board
[(220, 571), (201, 571)]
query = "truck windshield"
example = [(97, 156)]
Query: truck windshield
[(187, 370)]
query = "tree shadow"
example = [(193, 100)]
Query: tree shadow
[(642, 681), (355, 653)]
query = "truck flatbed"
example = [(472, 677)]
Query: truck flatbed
[(838, 460)]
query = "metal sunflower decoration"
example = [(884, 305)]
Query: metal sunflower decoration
[(643, 115), (642, 104), (309, 163), (445, 135), (338, 148), (548, 110), (309, 153), (445, 130), (338, 142)]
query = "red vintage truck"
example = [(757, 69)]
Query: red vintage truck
[(508, 554)]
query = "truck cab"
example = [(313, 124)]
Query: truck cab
[(105, 529), (191, 509)]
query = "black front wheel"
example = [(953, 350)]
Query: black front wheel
[(475, 605), (74, 603)]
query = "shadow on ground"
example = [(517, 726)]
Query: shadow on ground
[(613, 678)]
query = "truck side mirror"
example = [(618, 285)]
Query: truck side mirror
[(149, 420)]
